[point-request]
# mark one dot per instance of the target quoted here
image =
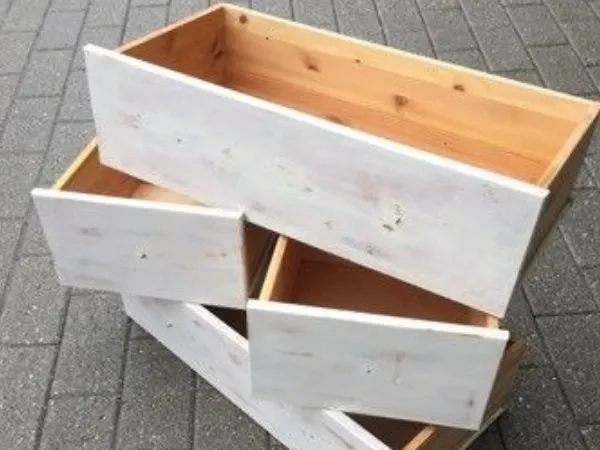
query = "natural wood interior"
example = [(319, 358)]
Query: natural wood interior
[(88, 175), (308, 276), (475, 118)]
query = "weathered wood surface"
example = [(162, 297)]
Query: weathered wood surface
[(172, 251), (416, 370), (450, 228)]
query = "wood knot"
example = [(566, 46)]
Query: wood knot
[(335, 119), (459, 87), (400, 101), (311, 64), (243, 19)]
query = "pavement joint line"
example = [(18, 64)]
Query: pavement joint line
[(192, 417), (426, 28), (380, 22), (336, 19)]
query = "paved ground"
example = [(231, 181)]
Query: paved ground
[(76, 373)]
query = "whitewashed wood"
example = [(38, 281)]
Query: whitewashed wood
[(386, 366), (179, 252), (220, 355), (453, 229)]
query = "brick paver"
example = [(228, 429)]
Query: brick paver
[(75, 372)]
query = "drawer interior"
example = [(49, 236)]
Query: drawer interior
[(88, 175), (301, 274), (499, 125)]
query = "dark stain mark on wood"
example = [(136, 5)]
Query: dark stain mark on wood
[(398, 359), (223, 255), (198, 324), (470, 403), (243, 19), (169, 325), (311, 64), (131, 120), (329, 225), (301, 354), (334, 119), (143, 256), (388, 227), (400, 101), (179, 140), (227, 152), (307, 189), (459, 87), (357, 60), (234, 359), (90, 231)]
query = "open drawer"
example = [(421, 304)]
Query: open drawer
[(328, 333), (443, 177), (212, 341), (110, 231)]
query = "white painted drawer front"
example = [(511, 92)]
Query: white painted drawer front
[(179, 252), (372, 364), (453, 229)]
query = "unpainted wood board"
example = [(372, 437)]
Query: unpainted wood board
[(220, 355), (179, 252), (370, 364), (456, 230)]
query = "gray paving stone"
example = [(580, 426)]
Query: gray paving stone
[(69, 5), (465, 58), (29, 125), (142, 21), (137, 332), (179, 9), (536, 25), (9, 237), (502, 49), (592, 162), (279, 8), (359, 19), (34, 303), (574, 343), (584, 179), (561, 69), (554, 284), (399, 17), (592, 277), (570, 11), (135, 3), (157, 399), (8, 85), (274, 444), (581, 227), (17, 178), (596, 7), (34, 240), (585, 39), (318, 13), (220, 424), (485, 14), (14, 50), (489, 440), (525, 76), (76, 103), (106, 13), (591, 434), (449, 30), (520, 2), (60, 30), (595, 74), (46, 73), (538, 417), (74, 423), (437, 4), (92, 346), (25, 374), (416, 42), (4, 5), (25, 15), (107, 37), (68, 141), (519, 321)]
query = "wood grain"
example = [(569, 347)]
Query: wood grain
[(410, 369), (435, 223)]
